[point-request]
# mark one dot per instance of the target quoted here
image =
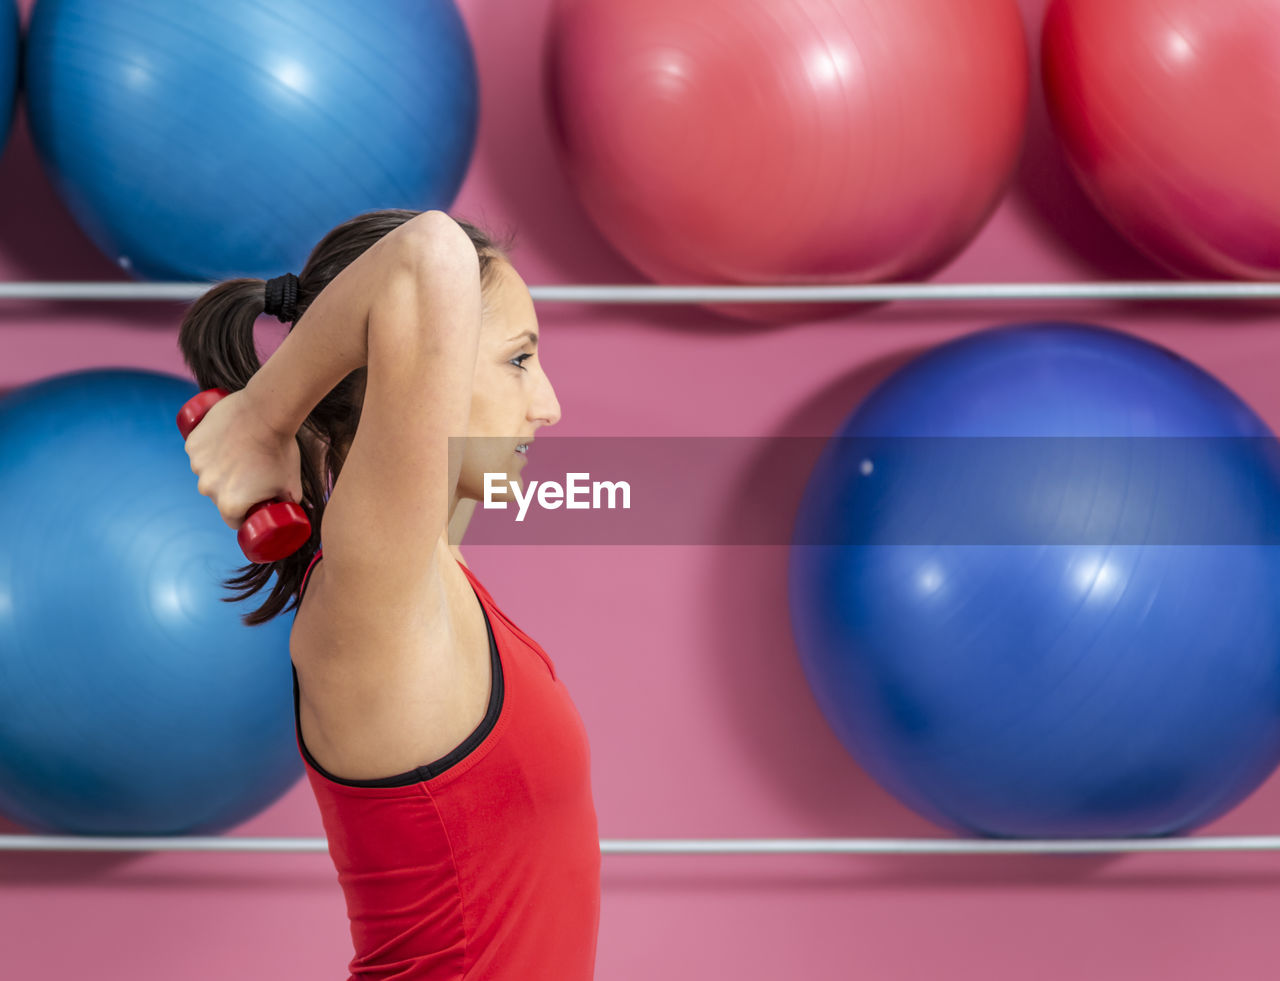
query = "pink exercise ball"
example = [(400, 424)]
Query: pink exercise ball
[(1169, 113), (788, 141)]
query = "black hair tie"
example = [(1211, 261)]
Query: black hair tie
[(282, 298)]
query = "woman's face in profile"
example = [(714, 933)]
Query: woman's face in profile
[(511, 396)]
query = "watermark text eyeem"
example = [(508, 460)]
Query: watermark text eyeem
[(551, 494)]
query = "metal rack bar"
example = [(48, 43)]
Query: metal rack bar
[(650, 294), (688, 846)]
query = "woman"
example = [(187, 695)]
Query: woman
[(449, 764)]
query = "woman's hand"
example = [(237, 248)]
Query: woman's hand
[(241, 461)]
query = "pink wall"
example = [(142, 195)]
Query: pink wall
[(700, 720)]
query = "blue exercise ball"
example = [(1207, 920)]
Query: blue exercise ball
[(1033, 587), (132, 698), (207, 140), (9, 51)]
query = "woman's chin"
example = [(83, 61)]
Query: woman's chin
[(501, 478)]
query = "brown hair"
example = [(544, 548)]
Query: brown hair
[(216, 340)]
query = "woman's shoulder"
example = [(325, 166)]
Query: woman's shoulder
[(425, 678)]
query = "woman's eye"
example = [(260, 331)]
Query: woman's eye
[(518, 359)]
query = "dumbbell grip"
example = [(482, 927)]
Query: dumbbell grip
[(272, 530)]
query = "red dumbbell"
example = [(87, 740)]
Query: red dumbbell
[(272, 530)]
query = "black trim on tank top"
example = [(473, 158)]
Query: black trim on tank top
[(429, 770)]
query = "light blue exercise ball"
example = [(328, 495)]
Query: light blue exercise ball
[(132, 698), (210, 139), (1034, 586), (9, 55)]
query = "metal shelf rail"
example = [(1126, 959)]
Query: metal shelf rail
[(1156, 290)]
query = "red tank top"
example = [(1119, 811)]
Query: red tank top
[(485, 863)]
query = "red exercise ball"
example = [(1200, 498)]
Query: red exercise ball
[(788, 141), (1169, 112)]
